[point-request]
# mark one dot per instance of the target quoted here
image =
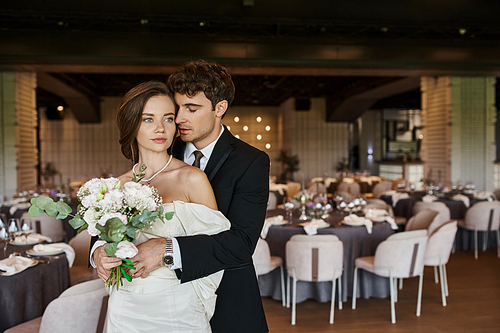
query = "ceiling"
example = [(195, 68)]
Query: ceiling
[(274, 50)]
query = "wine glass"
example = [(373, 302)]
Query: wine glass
[(26, 230), (289, 207), (4, 239), (13, 230)]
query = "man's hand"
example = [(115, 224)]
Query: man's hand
[(149, 258), (104, 263)]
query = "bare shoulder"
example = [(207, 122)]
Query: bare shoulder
[(126, 177), (191, 175)]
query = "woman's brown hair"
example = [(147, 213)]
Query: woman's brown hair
[(129, 116)]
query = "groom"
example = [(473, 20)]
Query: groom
[(239, 174)]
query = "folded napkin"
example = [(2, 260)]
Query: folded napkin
[(16, 264), (429, 198), (311, 228), (32, 239), (14, 201), (379, 215), (398, 196), (348, 180), (359, 220), (275, 220), (70, 252), (460, 197), (389, 193), (15, 207), (278, 187), (484, 195)]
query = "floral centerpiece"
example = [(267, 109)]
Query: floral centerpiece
[(111, 212), (317, 205)]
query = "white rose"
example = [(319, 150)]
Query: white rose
[(93, 231), (110, 182), (94, 185), (146, 191), (91, 216), (112, 201), (132, 186), (126, 250), (102, 221), (89, 201)]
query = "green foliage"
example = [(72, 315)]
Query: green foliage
[(290, 164), (49, 206), (137, 178), (169, 215), (77, 222), (111, 248)]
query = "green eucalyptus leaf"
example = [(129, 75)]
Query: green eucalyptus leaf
[(169, 215), (131, 231), (115, 229), (110, 249), (64, 210), (35, 211), (51, 209), (84, 227), (41, 201), (77, 222)]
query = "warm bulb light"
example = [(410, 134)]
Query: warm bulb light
[(421, 136), (259, 137), (228, 128), (268, 128), (259, 119), (60, 108), (268, 145), (245, 128), (237, 136), (236, 119)]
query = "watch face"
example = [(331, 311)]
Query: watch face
[(168, 260)]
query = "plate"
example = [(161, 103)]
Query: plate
[(355, 224), (22, 242), (326, 225), (34, 253)]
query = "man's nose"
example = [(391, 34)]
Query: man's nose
[(180, 116)]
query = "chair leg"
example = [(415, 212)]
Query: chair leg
[(332, 302), (340, 292), (419, 300), (288, 291), (443, 293), (436, 280), (283, 302), (393, 310), (354, 286), (395, 284), (475, 243), (294, 301), (486, 236), (401, 284), (445, 281)]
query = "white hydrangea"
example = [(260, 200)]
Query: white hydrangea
[(94, 185), (112, 201), (89, 201)]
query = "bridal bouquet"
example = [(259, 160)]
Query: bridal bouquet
[(111, 212)]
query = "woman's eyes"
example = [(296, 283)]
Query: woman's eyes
[(169, 120), (147, 120)]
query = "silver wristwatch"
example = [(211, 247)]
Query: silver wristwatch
[(168, 257)]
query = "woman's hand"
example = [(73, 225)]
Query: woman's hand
[(149, 258), (104, 263)]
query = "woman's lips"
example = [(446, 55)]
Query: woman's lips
[(159, 140)]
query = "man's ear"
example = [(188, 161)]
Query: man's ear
[(221, 108)]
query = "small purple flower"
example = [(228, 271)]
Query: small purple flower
[(310, 205)]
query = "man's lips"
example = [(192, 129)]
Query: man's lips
[(184, 130)]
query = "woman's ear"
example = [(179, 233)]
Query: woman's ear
[(221, 108)]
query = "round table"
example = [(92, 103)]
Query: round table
[(357, 243), (24, 296)]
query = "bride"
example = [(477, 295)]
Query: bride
[(157, 302)]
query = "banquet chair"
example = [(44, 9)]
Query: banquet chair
[(437, 253), (422, 220), (483, 216), (381, 188), (293, 189), (444, 213), (399, 256), (352, 188), (264, 263), (395, 184), (315, 259), (76, 310), (80, 272), (496, 192), (381, 204), (346, 196), (47, 226)]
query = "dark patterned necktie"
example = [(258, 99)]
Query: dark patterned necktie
[(197, 158)]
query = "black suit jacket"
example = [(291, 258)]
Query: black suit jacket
[(239, 174)]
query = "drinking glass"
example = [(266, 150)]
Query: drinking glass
[(13, 230), (289, 207), (26, 229), (4, 239)]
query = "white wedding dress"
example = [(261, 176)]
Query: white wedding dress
[(159, 303)]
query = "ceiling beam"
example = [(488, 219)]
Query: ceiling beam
[(85, 106), (350, 108)]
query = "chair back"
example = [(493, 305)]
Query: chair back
[(352, 188), (440, 244), (483, 216), (381, 188), (293, 189), (383, 205), (496, 192), (346, 196), (262, 257), (272, 201), (81, 244), (315, 258), (76, 310), (422, 220), (403, 253), (444, 213), (47, 226)]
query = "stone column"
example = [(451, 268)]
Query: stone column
[(18, 121), (459, 116)]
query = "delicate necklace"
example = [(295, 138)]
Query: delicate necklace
[(156, 174)]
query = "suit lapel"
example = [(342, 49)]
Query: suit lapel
[(222, 149)]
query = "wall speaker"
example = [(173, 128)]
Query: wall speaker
[(302, 103)]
